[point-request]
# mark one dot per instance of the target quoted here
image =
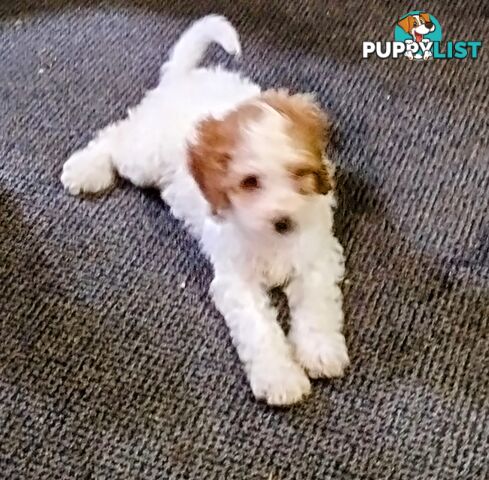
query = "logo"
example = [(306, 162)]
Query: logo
[(418, 36), (418, 31)]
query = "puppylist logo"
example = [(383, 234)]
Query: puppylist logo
[(418, 36)]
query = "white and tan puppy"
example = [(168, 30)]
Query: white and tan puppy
[(246, 171)]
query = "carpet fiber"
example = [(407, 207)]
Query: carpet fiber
[(114, 364)]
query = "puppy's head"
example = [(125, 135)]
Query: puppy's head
[(417, 25), (263, 163)]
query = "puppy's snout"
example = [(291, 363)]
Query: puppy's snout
[(283, 225), (429, 25)]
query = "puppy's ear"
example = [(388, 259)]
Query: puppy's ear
[(406, 24), (209, 159), (310, 127), (304, 112), (325, 177)]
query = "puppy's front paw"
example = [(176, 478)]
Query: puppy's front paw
[(321, 354), (279, 381), (87, 171)]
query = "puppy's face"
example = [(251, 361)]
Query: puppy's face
[(417, 25), (263, 163)]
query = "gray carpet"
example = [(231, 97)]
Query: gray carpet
[(114, 364)]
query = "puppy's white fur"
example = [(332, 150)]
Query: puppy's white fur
[(150, 148)]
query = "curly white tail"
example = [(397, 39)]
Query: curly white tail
[(191, 46)]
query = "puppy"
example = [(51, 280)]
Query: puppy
[(246, 171), (417, 26)]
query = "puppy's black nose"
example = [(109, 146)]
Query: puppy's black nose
[(283, 225), (429, 24)]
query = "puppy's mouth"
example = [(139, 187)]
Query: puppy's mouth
[(419, 36)]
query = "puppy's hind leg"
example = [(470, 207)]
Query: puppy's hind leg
[(91, 169)]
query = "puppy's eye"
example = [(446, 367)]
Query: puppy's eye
[(251, 182)]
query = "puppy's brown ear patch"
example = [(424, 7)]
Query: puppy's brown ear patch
[(310, 128), (425, 17), (326, 181), (406, 24), (310, 123), (210, 156), (209, 159)]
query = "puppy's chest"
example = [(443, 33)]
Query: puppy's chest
[(274, 268)]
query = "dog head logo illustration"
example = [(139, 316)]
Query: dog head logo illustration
[(418, 30), (417, 25)]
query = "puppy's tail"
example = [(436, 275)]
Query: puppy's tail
[(191, 46)]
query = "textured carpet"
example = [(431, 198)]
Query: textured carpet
[(114, 364)]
